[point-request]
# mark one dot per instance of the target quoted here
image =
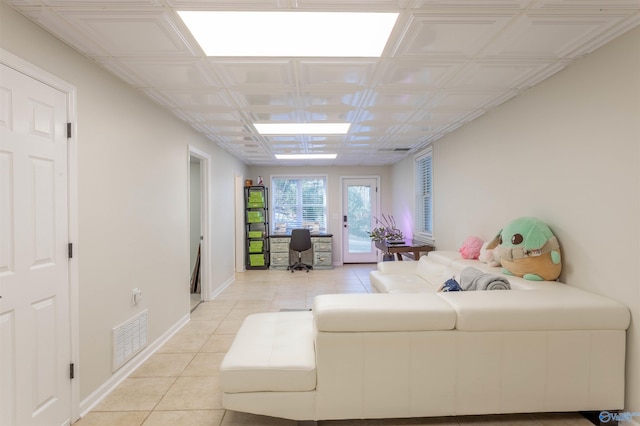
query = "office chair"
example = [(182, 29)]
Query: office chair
[(300, 241)]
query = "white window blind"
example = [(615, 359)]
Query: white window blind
[(424, 199), (299, 201)]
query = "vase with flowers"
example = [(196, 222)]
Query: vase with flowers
[(386, 231)]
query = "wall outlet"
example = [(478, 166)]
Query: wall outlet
[(137, 296)]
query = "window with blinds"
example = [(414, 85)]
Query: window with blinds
[(299, 202), (424, 198)]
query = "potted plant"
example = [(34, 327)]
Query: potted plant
[(387, 231)]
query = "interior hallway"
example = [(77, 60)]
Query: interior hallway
[(179, 385)]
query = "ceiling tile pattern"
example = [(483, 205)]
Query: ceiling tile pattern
[(446, 63)]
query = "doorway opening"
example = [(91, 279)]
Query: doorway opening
[(198, 227)]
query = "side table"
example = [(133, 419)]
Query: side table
[(404, 249)]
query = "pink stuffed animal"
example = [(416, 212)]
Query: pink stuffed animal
[(490, 252), (471, 248)]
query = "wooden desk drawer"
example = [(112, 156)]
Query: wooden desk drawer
[(280, 259), (279, 247), (280, 240), (322, 245), (322, 259)]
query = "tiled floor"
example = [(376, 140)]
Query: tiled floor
[(179, 384)]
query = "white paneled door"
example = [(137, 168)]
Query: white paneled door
[(360, 208), (35, 387)]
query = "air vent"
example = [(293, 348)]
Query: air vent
[(394, 150), (128, 339)]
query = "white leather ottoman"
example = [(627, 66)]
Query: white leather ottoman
[(272, 352)]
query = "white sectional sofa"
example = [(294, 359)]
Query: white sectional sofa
[(428, 274), (410, 351)]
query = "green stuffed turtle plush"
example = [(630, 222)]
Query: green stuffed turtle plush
[(529, 249)]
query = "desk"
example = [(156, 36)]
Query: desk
[(319, 255), (399, 249)]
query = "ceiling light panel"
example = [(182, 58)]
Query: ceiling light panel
[(306, 156), (290, 34), (302, 128)]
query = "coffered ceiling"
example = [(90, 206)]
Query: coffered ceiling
[(446, 63)]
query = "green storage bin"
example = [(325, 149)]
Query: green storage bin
[(256, 247), (256, 259), (256, 196), (254, 217), (255, 234)]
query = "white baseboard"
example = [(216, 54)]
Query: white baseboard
[(222, 288), (90, 402)]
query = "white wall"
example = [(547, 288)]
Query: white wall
[(133, 167), (568, 152), (334, 191)]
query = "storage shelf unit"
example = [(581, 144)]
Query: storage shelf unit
[(256, 202)]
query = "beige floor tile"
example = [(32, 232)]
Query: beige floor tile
[(184, 343), (192, 393), (199, 327), (208, 314), (185, 418), (234, 418), (229, 326), (499, 420), (218, 343), (241, 314), (422, 421), (136, 394), (219, 304), (561, 419), (128, 418), (163, 365), (204, 365)]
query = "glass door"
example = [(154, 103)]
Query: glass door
[(360, 207)]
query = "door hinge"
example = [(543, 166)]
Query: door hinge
[(68, 130), (70, 248), (72, 371)]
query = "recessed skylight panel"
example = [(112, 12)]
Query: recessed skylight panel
[(306, 156), (302, 128), (298, 34)]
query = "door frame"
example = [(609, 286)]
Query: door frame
[(206, 289), (239, 244), (43, 76), (343, 207)]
